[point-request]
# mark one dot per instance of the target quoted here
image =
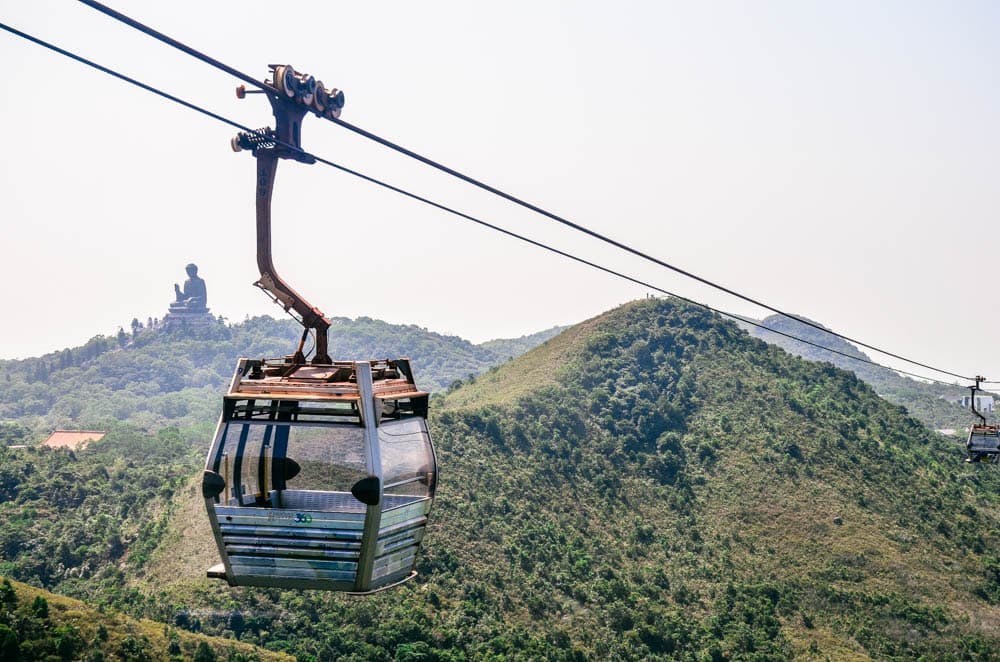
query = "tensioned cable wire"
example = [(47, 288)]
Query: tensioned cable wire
[(104, 9), (442, 207), (127, 79), (170, 41)]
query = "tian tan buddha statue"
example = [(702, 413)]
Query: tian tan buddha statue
[(193, 298)]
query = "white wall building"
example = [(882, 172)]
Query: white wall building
[(984, 403)]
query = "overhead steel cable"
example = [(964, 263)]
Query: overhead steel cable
[(509, 197), (170, 41), (127, 79), (628, 249), (440, 206)]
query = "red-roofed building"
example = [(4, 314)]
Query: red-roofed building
[(74, 439)]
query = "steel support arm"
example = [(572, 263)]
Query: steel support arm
[(311, 316)]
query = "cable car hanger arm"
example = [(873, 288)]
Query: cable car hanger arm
[(281, 292), (972, 403), (293, 97)]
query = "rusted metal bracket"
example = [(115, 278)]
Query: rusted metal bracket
[(297, 95), (972, 403)]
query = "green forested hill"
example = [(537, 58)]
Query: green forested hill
[(38, 625), (649, 484), (654, 484), (922, 400), (160, 377)]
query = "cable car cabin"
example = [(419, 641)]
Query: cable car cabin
[(983, 444), (320, 476)]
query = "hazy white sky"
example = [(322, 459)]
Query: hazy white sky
[(836, 159)]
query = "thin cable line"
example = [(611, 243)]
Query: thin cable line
[(445, 208), (127, 79), (170, 41), (628, 249), (606, 270), (104, 9)]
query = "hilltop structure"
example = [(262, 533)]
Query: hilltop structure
[(984, 403), (190, 302)]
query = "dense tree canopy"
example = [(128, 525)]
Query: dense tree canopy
[(651, 484), (172, 376)]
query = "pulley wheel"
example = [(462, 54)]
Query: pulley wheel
[(335, 104), (284, 80), (322, 98), (307, 89)]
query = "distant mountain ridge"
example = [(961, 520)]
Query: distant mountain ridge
[(508, 348), (172, 376), (923, 400)]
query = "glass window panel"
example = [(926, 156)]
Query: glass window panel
[(251, 459), (329, 457), (407, 459), (260, 460), (227, 462)]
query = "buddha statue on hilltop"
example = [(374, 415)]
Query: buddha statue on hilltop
[(193, 298)]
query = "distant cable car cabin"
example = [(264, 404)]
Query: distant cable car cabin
[(321, 475), (984, 439), (983, 444)]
